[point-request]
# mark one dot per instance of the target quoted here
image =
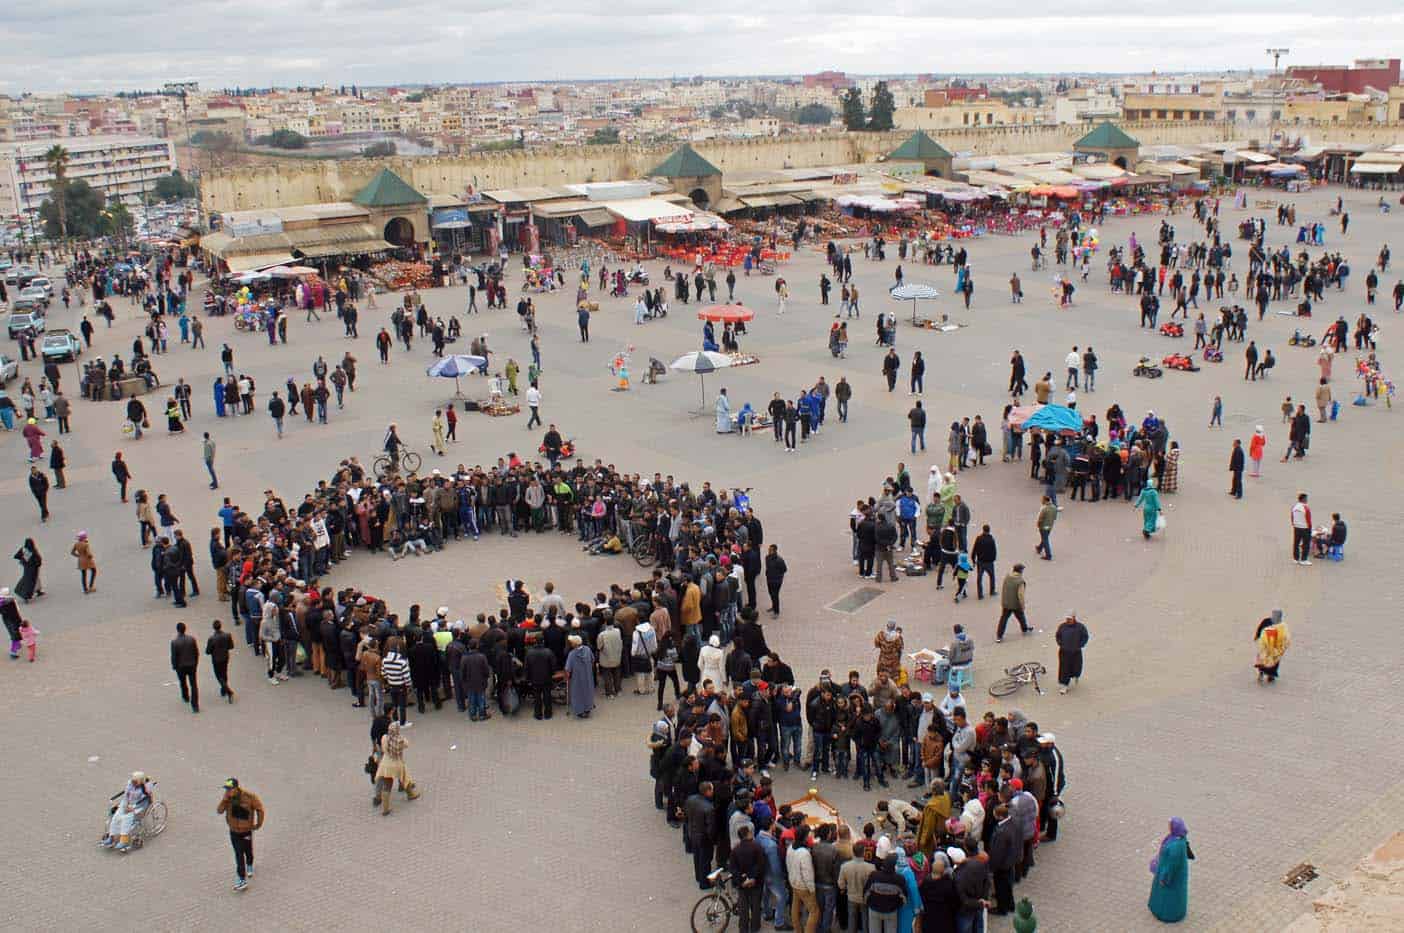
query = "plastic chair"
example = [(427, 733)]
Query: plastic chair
[(960, 677)]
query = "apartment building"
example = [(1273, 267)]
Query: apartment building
[(122, 166)]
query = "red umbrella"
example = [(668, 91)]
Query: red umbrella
[(725, 314)]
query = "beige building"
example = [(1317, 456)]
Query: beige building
[(964, 113), (1328, 111), (1194, 108)]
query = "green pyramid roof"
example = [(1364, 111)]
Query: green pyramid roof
[(1106, 136), (685, 162), (919, 148), (388, 190)]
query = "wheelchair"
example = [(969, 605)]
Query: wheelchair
[(151, 824)]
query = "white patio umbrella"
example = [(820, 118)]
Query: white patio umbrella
[(451, 367), (914, 292), (701, 362)]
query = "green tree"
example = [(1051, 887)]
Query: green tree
[(379, 150), (854, 116), (82, 211), (814, 115), (57, 159), (116, 221), (882, 108), (173, 187), (604, 136), (283, 139)]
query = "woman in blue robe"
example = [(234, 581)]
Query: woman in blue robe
[(907, 915), (219, 397)]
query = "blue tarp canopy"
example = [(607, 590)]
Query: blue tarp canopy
[(1055, 418)]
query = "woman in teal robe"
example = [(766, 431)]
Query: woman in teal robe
[(1149, 504), (1169, 897)]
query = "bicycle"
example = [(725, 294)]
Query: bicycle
[(712, 912), (645, 549), (1018, 675), (385, 464)]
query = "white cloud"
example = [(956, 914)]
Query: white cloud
[(86, 45)]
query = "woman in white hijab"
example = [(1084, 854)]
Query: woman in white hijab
[(711, 660), (973, 816)]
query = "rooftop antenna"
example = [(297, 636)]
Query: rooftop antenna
[(1277, 56)]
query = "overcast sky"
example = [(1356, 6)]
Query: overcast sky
[(98, 45)]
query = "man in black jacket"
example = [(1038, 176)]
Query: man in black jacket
[(173, 572), (1004, 852), (748, 871), (775, 570), (218, 646), (454, 653), (699, 814), (983, 551), (972, 880), (540, 664), (474, 672), (185, 659), (187, 561), (424, 669)]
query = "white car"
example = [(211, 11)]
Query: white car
[(44, 283), (9, 369)]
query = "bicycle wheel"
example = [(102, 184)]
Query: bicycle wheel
[(381, 466), (156, 819), (410, 461), (1005, 686), (711, 914), (643, 550)]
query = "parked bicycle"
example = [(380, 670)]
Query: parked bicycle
[(1016, 677), (712, 913)]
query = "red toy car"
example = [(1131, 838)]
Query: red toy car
[(1180, 361)]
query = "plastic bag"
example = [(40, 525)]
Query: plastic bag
[(128, 427), (1160, 522)]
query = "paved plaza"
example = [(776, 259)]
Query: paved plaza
[(531, 825)]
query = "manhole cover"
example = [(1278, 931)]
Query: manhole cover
[(1300, 876), (857, 599)]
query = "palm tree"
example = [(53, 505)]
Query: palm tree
[(57, 158)]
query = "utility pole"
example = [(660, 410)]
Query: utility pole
[(1277, 56)]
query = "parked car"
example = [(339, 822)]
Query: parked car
[(29, 303), (18, 277), (9, 369), (42, 282), (37, 294), (61, 346), (22, 318)]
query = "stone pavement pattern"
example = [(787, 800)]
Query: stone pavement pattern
[(525, 824)]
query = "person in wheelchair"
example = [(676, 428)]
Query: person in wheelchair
[(131, 805)]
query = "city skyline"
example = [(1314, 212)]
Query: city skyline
[(351, 41)]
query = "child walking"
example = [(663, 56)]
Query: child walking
[(29, 637), (962, 574)]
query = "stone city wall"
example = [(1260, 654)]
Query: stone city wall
[(309, 182)]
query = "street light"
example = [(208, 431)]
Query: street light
[(1277, 56)]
